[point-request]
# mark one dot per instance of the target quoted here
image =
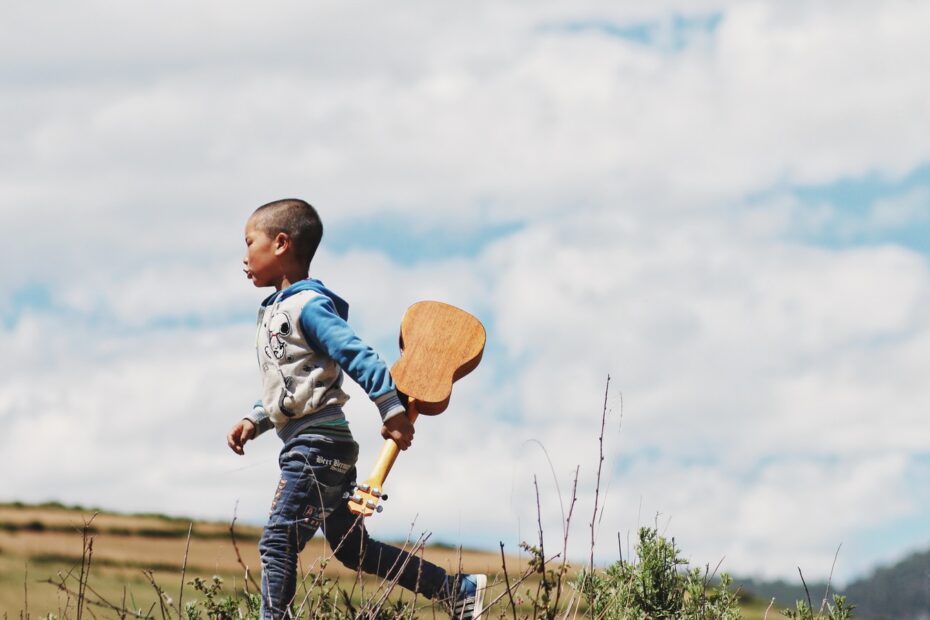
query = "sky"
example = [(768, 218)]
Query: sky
[(724, 207)]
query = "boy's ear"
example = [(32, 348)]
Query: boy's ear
[(282, 243)]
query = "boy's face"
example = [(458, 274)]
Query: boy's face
[(261, 264)]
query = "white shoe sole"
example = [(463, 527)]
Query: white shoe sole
[(479, 596), (475, 607)]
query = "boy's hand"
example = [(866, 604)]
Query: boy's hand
[(241, 432), (400, 429)]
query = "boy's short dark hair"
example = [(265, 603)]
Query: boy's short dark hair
[(296, 218)]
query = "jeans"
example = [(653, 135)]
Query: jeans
[(315, 472)]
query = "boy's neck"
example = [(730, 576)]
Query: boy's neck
[(288, 279)]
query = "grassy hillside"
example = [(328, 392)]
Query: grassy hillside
[(45, 543), (42, 543), (42, 547)]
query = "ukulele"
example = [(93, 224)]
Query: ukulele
[(439, 344)]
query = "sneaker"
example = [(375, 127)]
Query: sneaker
[(469, 601)]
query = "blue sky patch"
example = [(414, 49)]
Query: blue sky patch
[(33, 297), (205, 320), (886, 543), (410, 242), (36, 298), (643, 33), (674, 33), (867, 210)]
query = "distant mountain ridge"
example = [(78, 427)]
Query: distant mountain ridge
[(897, 592)]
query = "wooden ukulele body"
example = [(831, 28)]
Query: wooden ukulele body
[(439, 344)]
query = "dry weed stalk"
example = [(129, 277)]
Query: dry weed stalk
[(25, 614), (80, 596), (600, 464), (826, 593), (87, 553), (564, 567), (187, 550), (509, 590), (388, 585), (768, 609), (232, 536)]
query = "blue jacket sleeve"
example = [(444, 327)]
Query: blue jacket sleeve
[(329, 333)]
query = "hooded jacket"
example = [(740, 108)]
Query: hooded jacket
[(304, 345)]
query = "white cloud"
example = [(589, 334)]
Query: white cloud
[(755, 369), (431, 123)]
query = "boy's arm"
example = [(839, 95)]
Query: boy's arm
[(248, 428), (328, 332)]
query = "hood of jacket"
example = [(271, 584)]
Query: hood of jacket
[(310, 284)]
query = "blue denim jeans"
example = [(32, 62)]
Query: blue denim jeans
[(315, 472)]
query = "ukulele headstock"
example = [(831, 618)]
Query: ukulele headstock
[(366, 500)]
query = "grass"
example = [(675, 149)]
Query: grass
[(39, 543), (124, 546)]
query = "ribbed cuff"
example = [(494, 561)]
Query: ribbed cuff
[(389, 405), (260, 419)]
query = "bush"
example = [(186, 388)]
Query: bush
[(657, 586), (840, 610)]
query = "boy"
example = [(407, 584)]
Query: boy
[(304, 346)]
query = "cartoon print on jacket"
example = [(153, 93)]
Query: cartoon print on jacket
[(280, 325)]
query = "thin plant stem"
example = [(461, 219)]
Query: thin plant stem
[(416, 590), (187, 550), (826, 592), (600, 464), (232, 536), (25, 591), (563, 566), (810, 605), (513, 604), (526, 574), (768, 609), (158, 592), (541, 559), (555, 478), (319, 576), (388, 586), (87, 553), (123, 611)]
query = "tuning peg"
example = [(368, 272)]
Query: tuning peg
[(346, 495), (357, 498), (363, 488), (379, 508), (371, 504), (384, 497)]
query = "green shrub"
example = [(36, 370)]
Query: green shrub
[(840, 610), (656, 587)]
